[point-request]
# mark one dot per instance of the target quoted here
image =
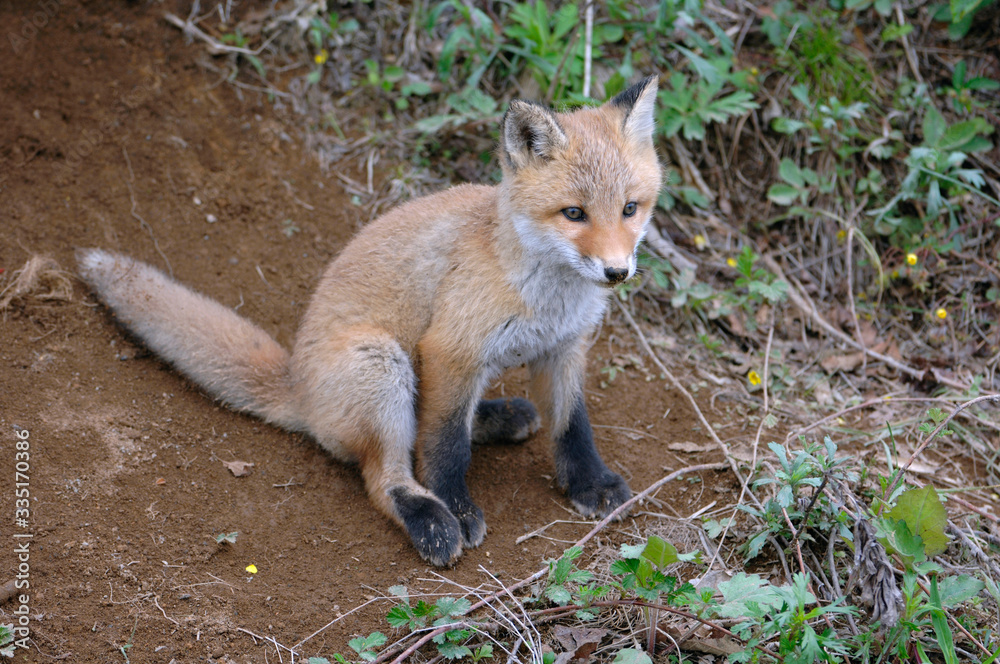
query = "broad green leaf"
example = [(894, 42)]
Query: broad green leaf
[(451, 607), (925, 516), (559, 595), (659, 552), (746, 588), (958, 135), (631, 656), (450, 650), (782, 194), (790, 172), (956, 589)]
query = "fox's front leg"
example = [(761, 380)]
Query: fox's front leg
[(448, 393), (557, 381)]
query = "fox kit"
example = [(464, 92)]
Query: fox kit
[(424, 309)]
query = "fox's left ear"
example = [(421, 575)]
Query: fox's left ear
[(638, 102)]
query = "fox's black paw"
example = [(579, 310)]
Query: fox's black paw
[(470, 517), (600, 494), (436, 532), (504, 421)]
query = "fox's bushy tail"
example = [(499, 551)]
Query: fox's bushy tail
[(228, 356)]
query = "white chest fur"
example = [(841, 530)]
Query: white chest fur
[(561, 305)]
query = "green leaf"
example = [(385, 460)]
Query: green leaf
[(790, 172), (982, 83), (923, 513), (660, 552), (559, 595), (961, 9), (744, 589), (451, 607), (398, 616), (958, 135), (894, 31), (450, 650), (707, 70), (784, 125), (942, 629), (957, 589), (631, 656), (782, 194), (934, 127)]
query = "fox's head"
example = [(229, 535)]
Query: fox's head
[(582, 185)]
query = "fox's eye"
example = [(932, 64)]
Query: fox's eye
[(630, 209), (574, 214)]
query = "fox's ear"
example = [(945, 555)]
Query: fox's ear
[(529, 131), (638, 102)]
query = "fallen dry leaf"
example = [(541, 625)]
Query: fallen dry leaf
[(579, 642), (238, 468), (846, 363)]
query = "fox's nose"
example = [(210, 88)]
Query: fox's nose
[(616, 275)]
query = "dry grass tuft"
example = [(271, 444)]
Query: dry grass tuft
[(41, 278)]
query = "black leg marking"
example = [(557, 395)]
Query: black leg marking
[(445, 466), (504, 421), (434, 530), (594, 490)]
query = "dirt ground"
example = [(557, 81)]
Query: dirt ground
[(113, 135)]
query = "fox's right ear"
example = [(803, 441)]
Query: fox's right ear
[(528, 132)]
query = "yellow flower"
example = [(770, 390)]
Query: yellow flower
[(754, 378), (252, 568), (911, 258), (699, 242), (321, 57), (731, 262), (941, 313)]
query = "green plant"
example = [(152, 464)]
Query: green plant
[(962, 88), (936, 174), (687, 107), (327, 33), (387, 79), (640, 571), (365, 645), (226, 538), (237, 39), (809, 46), (761, 286), (445, 612), (551, 44), (812, 467), (7, 640), (959, 15)]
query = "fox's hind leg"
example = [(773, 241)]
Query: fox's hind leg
[(504, 421), (362, 394)]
